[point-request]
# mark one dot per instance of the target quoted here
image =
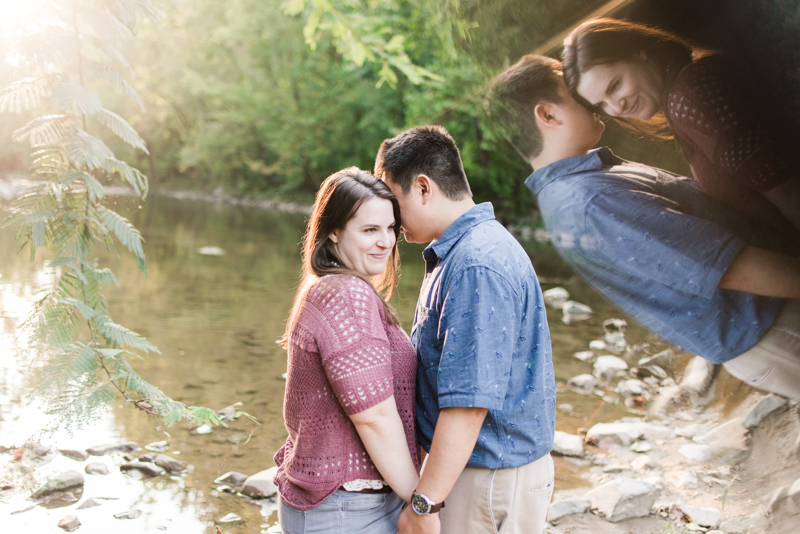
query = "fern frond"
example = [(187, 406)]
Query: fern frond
[(117, 334), (85, 310), (133, 176), (48, 130), (127, 234), (25, 94), (47, 47), (120, 126), (77, 98), (105, 276), (116, 80), (85, 149)]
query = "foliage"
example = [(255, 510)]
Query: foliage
[(73, 43)]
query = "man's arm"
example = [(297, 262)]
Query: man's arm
[(763, 272), (786, 198), (454, 439)]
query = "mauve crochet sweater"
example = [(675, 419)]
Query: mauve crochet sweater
[(343, 357)]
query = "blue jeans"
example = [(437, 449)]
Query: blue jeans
[(345, 512)]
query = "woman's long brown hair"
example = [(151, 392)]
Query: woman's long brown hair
[(338, 200)]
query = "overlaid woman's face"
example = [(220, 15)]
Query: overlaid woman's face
[(365, 243), (629, 89)]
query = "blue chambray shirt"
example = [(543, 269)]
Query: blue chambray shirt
[(657, 246), (481, 336)]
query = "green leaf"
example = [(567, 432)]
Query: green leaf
[(85, 310), (85, 149), (48, 130), (124, 230), (120, 126), (120, 335), (25, 94), (77, 98)]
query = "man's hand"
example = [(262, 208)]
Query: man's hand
[(411, 523)]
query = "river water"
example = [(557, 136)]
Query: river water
[(215, 320)]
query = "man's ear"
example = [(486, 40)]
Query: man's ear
[(546, 115), (424, 186)]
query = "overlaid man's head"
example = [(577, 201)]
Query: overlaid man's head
[(420, 165), (530, 98)]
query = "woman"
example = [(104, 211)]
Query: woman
[(350, 459), (649, 78)]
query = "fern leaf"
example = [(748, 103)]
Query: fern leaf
[(120, 335), (105, 276), (117, 80), (133, 176), (85, 310), (120, 126), (85, 149), (77, 98), (25, 94), (47, 130), (124, 230)]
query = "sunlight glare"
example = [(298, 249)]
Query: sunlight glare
[(13, 12)]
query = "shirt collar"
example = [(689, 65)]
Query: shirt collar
[(591, 161), (474, 216)]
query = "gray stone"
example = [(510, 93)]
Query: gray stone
[(75, 455), (561, 509), (583, 383), (233, 479), (597, 344), (761, 410), (705, 517), (568, 444), (146, 468), (108, 448), (665, 359), (632, 387), (641, 446), (624, 498), (608, 367), (625, 433), (698, 375), (737, 525), (696, 452), (69, 523), (89, 503), (230, 518), (130, 514), (260, 485), (157, 446), (575, 308), (96, 468), (728, 439), (64, 481), (170, 464), (37, 454), (777, 498), (585, 356), (556, 297), (204, 429), (644, 462), (794, 491)]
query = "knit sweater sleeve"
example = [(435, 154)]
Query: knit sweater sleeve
[(352, 342), (711, 112)]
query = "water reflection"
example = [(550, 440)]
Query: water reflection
[(216, 319)]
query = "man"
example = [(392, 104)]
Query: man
[(485, 382), (695, 272)]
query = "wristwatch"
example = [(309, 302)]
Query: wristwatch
[(422, 505)]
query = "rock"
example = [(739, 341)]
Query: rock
[(698, 375), (583, 383), (233, 479), (641, 446), (96, 468), (75, 455), (568, 444), (37, 454), (632, 388), (696, 452), (644, 462), (794, 492), (230, 518), (566, 407), (211, 251), (146, 468), (571, 307), (69, 523), (64, 481), (157, 446), (556, 297), (89, 503), (170, 464), (685, 479), (705, 517), (614, 336), (664, 359), (777, 498), (653, 372), (636, 352), (626, 433), (729, 439), (624, 498), (737, 525), (690, 431), (607, 367), (130, 514), (204, 429), (585, 356), (147, 457), (761, 410), (260, 485), (597, 344), (567, 507), (108, 448)]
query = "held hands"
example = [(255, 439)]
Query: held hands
[(411, 523)]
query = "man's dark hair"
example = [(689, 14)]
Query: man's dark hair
[(514, 95), (428, 150)]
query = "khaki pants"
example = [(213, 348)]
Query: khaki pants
[(773, 364), (500, 501)]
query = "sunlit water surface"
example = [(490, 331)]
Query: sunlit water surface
[(215, 320)]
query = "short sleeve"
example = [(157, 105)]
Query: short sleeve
[(353, 345), (480, 318), (645, 234)]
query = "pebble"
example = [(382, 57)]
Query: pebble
[(233, 479), (69, 523), (641, 446), (566, 407), (624, 498), (146, 468), (157, 446), (585, 356), (705, 517), (204, 429), (130, 514), (761, 410), (260, 485), (89, 503), (696, 452), (561, 509), (597, 344), (555, 297), (608, 367), (584, 383), (75, 455), (96, 468), (566, 444), (108, 448), (211, 251), (698, 375), (61, 482), (230, 518)]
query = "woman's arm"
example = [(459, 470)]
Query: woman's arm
[(763, 272), (381, 431), (786, 198)]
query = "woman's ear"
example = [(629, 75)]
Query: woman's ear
[(334, 237)]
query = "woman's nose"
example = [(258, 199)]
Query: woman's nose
[(615, 106), (385, 239)]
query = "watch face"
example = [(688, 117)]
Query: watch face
[(419, 504)]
